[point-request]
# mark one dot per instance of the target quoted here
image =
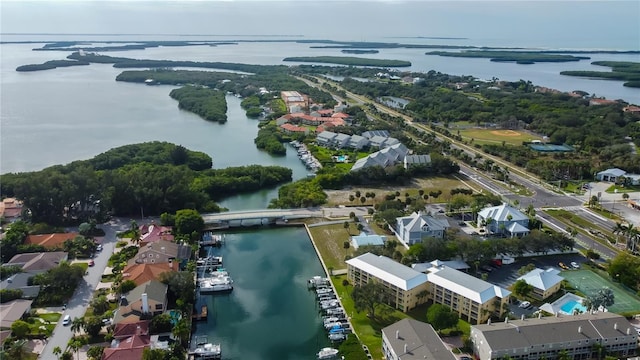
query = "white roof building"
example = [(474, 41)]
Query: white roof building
[(363, 239), (504, 219), (386, 157), (389, 271), (465, 285)]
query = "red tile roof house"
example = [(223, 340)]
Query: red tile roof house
[(290, 129), (595, 102), (141, 273), (153, 233), (122, 354), (10, 209), (125, 330), (50, 241), (632, 109)]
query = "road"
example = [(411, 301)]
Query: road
[(77, 305)]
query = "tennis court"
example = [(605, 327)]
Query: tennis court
[(588, 282)]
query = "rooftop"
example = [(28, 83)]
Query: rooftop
[(389, 270), (418, 338), (464, 284)]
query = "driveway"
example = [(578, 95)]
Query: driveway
[(77, 305)]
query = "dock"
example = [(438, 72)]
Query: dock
[(211, 239), (202, 315)]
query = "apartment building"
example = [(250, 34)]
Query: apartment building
[(406, 288), (580, 336)]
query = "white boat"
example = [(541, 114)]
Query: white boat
[(219, 281), (324, 291), (327, 353), (330, 320), (208, 351), (337, 337), (331, 325)]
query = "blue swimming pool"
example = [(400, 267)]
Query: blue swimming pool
[(341, 158), (572, 305)]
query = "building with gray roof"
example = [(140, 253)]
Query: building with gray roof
[(416, 160), (39, 262), (417, 226), (402, 283), (20, 281), (579, 336), (371, 133), (410, 339), (325, 138), (385, 158), (504, 219), (475, 300), (544, 282), (358, 142)]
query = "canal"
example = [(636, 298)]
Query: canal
[(270, 314)]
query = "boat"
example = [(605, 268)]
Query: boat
[(206, 350), (335, 311), (333, 325), (217, 281), (324, 291), (337, 337), (327, 353)]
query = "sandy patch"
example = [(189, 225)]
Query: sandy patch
[(505, 133)]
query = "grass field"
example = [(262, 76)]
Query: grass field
[(493, 136), (589, 282)]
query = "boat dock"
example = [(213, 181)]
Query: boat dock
[(211, 239), (305, 156), (205, 350), (202, 315)]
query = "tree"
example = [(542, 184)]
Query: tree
[(346, 227), (57, 351), (522, 288), (182, 331), (188, 221), (154, 354), (77, 324), (346, 245), (66, 356), (125, 287), (441, 317), (525, 269), (75, 344), (181, 285), (160, 323), (95, 352), (100, 305), (367, 297), (625, 196), (93, 325), (19, 329)]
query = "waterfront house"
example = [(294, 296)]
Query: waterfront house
[(417, 226), (125, 330), (505, 220), (144, 301), (123, 354), (367, 240), (153, 233), (12, 311), (162, 252), (141, 273), (405, 288), (36, 263), (579, 336), (293, 129), (410, 339), (475, 300), (544, 282), (50, 241)]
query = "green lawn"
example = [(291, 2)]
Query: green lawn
[(52, 317), (622, 189), (493, 136)]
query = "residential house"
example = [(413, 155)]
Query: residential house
[(50, 241), (152, 233), (377, 141), (20, 281), (125, 330), (144, 301), (341, 140), (417, 226), (504, 219), (10, 209), (410, 339), (579, 337), (416, 160), (35, 263), (405, 288), (122, 354), (358, 142), (475, 300), (596, 102), (363, 240), (544, 282), (12, 311), (385, 158), (162, 252), (293, 129), (632, 109), (131, 342), (141, 273), (372, 133), (325, 138)]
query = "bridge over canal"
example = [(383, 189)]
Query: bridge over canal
[(256, 217)]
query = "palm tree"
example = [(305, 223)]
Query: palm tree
[(75, 344), (76, 325), (57, 351), (135, 232)]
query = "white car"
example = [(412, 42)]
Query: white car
[(524, 304), (575, 265), (67, 320)]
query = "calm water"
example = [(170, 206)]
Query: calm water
[(270, 314)]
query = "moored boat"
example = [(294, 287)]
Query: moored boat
[(327, 353)]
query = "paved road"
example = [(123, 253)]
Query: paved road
[(77, 305)]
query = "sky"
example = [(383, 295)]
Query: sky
[(349, 20)]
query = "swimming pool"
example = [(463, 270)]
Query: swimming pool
[(341, 158), (570, 306)]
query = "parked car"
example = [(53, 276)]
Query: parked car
[(563, 266), (99, 247), (67, 320), (525, 304), (575, 265), (91, 263)]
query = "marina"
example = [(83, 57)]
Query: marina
[(334, 318), (212, 277), (305, 156)]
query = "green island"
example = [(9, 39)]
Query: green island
[(351, 61), (620, 70), (519, 57), (51, 64), (154, 177), (357, 51), (209, 104)]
